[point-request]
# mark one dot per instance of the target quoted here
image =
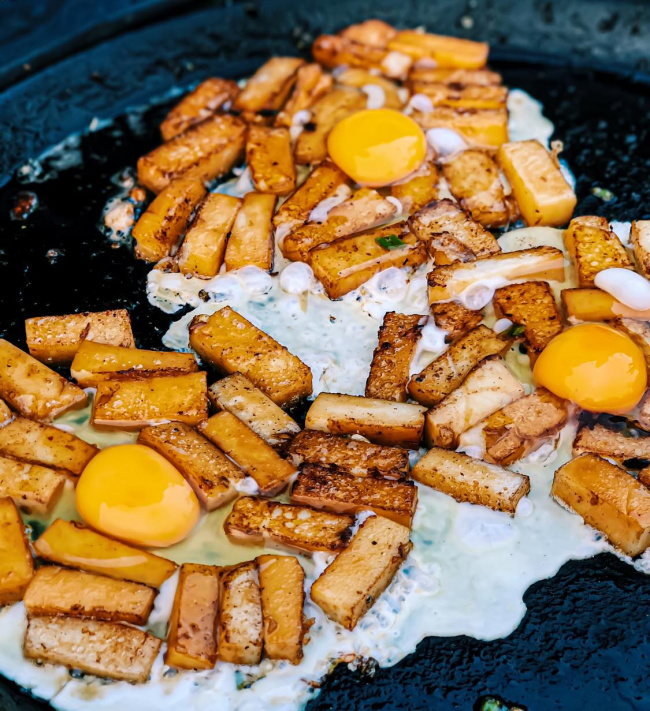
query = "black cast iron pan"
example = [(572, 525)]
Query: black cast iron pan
[(585, 640)]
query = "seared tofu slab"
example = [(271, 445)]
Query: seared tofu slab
[(257, 520), (75, 546), (33, 389), (207, 469), (232, 344), (16, 564), (251, 239), (607, 498), (640, 239), (311, 84), (192, 638), (338, 491), (5, 413), (269, 87), (60, 591), (471, 480), (486, 128), (462, 97), (34, 489), (56, 339), (419, 189), (589, 304), (447, 75), (445, 51), (105, 649), (599, 440), (456, 319), (355, 579), (269, 159)]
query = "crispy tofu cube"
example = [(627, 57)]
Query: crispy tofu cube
[(334, 51), (391, 361), (445, 228), (445, 51), (33, 389), (257, 520), (240, 618), (353, 455), (375, 33), (208, 471), (250, 452), (607, 498), (471, 480), (205, 151), (543, 195), (311, 83), (60, 591), (449, 281), (479, 127), (268, 154), (201, 103), (192, 639), (34, 489), (340, 492), (159, 229), (462, 97), (358, 78), (251, 238), (151, 401), (96, 362), (596, 305), (418, 190), (448, 75), (355, 579), (232, 344), (593, 248), (380, 421), (638, 331), (612, 445), (311, 146), (16, 564), (488, 388), (56, 339), (270, 86), (640, 240), (45, 445), (75, 546), (448, 370), (236, 394), (105, 649), (282, 586), (350, 262), (204, 246), (456, 319), (531, 305)]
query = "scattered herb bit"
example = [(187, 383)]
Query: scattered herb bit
[(516, 330), (603, 193), (390, 242)]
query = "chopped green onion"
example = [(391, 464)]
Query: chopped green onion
[(390, 242), (516, 330)]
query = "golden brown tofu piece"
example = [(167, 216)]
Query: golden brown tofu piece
[(104, 649), (45, 445), (201, 103), (596, 305), (599, 440), (270, 86), (640, 240), (355, 579), (644, 477), (449, 281), (531, 305), (380, 421), (75, 546), (489, 387), (282, 586), (358, 78), (448, 370), (418, 190), (445, 228), (251, 237), (204, 246), (192, 638), (257, 520), (607, 498), (208, 471), (151, 401), (311, 146), (56, 339), (449, 75), (643, 415), (375, 33), (338, 491), (96, 362), (33, 389), (232, 344), (323, 182), (34, 489), (638, 331), (161, 226), (456, 319), (60, 591), (353, 455), (240, 618), (479, 127), (236, 394), (471, 480), (350, 262), (5, 413), (334, 51), (391, 360), (16, 564), (205, 151), (462, 97), (268, 154), (593, 247), (250, 452), (445, 51), (311, 83)]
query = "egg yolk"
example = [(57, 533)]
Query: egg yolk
[(377, 147), (595, 366), (133, 493)]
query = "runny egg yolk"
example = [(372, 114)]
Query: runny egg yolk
[(595, 366), (377, 147), (133, 493)]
